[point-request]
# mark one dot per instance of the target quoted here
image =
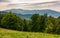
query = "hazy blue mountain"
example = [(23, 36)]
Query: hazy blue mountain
[(28, 13), (3, 12)]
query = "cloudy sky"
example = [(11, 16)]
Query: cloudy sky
[(25, 1), (30, 4)]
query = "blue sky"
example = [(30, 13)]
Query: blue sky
[(30, 4)]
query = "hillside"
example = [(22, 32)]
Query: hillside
[(5, 33), (26, 14)]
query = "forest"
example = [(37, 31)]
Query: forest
[(37, 23)]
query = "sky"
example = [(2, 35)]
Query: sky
[(30, 4), (25, 1)]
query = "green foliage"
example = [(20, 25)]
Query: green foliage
[(38, 23), (58, 25), (49, 27), (11, 21), (35, 22), (43, 22), (1, 16), (25, 26)]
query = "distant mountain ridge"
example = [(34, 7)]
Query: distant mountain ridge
[(29, 13)]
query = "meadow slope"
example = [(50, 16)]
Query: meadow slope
[(5, 33)]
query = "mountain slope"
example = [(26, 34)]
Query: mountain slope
[(29, 13)]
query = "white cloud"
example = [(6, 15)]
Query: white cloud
[(30, 1), (30, 4), (25, 1)]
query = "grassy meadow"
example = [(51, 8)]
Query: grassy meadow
[(5, 33)]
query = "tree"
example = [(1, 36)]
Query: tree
[(1, 17), (43, 22), (49, 27), (58, 25), (25, 26), (35, 22), (11, 21), (53, 21)]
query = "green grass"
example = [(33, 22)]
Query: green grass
[(4, 33)]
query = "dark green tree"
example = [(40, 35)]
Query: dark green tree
[(35, 22), (53, 21), (11, 21), (25, 26), (43, 22), (58, 25), (49, 27), (1, 17)]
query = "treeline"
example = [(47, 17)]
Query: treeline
[(37, 23)]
